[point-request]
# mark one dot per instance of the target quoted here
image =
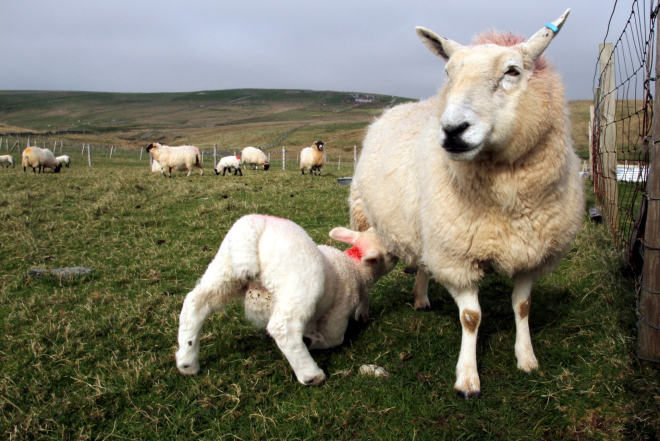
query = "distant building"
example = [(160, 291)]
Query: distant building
[(362, 98)]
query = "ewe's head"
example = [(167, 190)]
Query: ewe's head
[(486, 87), (319, 145), (152, 146), (368, 249)]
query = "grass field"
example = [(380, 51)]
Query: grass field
[(93, 358)]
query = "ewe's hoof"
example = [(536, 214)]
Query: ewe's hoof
[(466, 395)]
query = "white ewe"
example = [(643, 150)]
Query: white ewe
[(9, 159), (483, 175), (291, 287), (255, 157), (181, 158), (64, 160), (36, 157), (226, 163), (311, 158)]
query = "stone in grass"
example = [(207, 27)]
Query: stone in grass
[(62, 273), (373, 370)]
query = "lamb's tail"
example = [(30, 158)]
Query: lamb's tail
[(244, 246)]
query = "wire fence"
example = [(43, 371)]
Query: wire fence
[(622, 135)]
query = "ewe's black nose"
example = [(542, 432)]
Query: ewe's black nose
[(453, 141)]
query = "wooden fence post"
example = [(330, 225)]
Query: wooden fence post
[(648, 312), (112, 147), (283, 158), (354, 155), (339, 164), (590, 174), (608, 133), (215, 154), (82, 152), (89, 155), (141, 149)]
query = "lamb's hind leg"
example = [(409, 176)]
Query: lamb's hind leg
[(216, 288), (521, 301), (467, 383), (421, 291)]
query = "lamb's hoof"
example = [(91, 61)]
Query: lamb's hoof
[(425, 308), (410, 270), (466, 395), (315, 381)]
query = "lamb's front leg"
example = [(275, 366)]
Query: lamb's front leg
[(421, 291), (467, 383), (521, 301), (287, 332)]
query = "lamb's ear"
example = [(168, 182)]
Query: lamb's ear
[(442, 47), (371, 257), (344, 235), (535, 46)]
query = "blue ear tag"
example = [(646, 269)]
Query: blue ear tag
[(552, 27)]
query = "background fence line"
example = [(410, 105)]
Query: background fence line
[(621, 136)]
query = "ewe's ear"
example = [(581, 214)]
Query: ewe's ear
[(344, 235), (442, 47), (535, 46)]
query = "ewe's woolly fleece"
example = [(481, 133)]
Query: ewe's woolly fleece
[(254, 156), (517, 212), (180, 158), (34, 157), (310, 157)]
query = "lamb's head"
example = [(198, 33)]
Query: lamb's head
[(266, 166), (152, 146), (486, 88), (319, 145), (367, 249)]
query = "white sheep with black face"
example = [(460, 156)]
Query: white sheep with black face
[(38, 158), (291, 286), (255, 157), (311, 158), (483, 175)]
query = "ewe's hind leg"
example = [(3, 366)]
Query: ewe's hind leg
[(467, 378), (521, 301), (421, 291), (217, 287)]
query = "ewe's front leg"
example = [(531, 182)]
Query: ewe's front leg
[(467, 377), (521, 301), (288, 334)]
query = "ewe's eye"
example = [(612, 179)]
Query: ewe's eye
[(512, 71)]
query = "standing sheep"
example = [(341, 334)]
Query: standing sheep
[(36, 157), (226, 163), (312, 158), (483, 175), (64, 160), (291, 286), (182, 158), (255, 157), (9, 159)]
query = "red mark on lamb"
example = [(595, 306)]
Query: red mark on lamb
[(238, 157), (355, 253)]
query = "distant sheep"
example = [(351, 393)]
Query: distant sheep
[(38, 158), (226, 163), (181, 158), (481, 176), (64, 160), (255, 157), (311, 158), (291, 286), (9, 159)]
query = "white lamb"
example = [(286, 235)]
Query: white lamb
[(291, 287), (226, 163), (64, 160), (181, 158), (36, 157), (481, 176), (311, 158), (9, 159), (255, 157), (155, 166)]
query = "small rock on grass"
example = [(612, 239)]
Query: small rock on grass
[(62, 273), (373, 370)]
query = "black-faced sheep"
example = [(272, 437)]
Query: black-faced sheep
[(311, 158), (226, 163), (181, 158), (291, 286), (255, 157), (483, 175), (38, 158)]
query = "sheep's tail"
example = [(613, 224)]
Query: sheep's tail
[(244, 246)]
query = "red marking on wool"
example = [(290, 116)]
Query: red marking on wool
[(238, 157), (355, 253), (507, 39)]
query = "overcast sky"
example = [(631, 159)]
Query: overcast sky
[(341, 45)]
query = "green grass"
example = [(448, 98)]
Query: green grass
[(94, 358)]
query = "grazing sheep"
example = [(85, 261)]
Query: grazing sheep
[(9, 159), (155, 166), (226, 163), (312, 158), (254, 157), (64, 160), (481, 176), (181, 158), (36, 157), (291, 287)]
